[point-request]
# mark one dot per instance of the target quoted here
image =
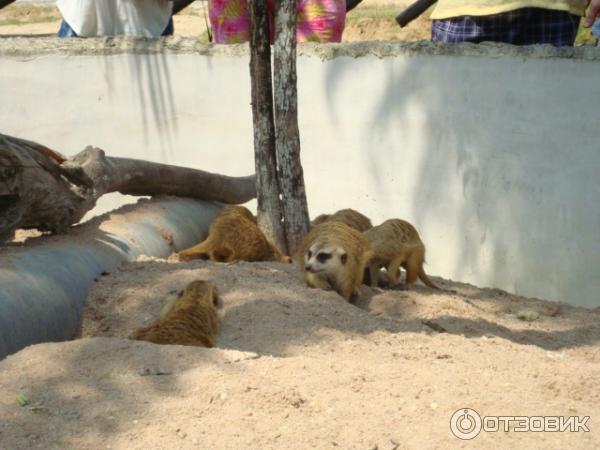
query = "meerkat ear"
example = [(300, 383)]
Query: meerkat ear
[(344, 258)]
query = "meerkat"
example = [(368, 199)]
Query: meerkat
[(232, 236), (319, 220), (349, 216), (187, 319), (333, 255), (397, 243)]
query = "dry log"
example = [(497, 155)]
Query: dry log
[(40, 188)]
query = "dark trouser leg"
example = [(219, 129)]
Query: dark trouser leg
[(169, 29), (546, 26), (520, 27), (65, 30)]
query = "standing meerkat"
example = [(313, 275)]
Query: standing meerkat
[(188, 319), (397, 243), (333, 255), (232, 236), (349, 216)]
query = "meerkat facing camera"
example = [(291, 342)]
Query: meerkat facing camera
[(188, 319), (349, 216), (232, 236), (333, 255), (397, 243)]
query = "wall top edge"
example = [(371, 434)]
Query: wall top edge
[(34, 46)]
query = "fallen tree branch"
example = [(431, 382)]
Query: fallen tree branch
[(40, 188)]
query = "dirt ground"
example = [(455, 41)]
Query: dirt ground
[(298, 368)]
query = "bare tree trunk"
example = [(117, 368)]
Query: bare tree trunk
[(269, 204), (287, 135), (40, 188)]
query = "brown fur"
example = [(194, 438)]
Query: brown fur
[(397, 243), (190, 319), (233, 236), (347, 253), (319, 220), (349, 216)]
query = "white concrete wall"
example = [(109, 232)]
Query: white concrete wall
[(492, 153)]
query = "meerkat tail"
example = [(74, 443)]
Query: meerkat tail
[(200, 251), (425, 279)]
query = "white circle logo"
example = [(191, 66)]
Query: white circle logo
[(465, 423)]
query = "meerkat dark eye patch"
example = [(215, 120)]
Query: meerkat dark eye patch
[(344, 258), (322, 257), (180, 294), (309, 254)]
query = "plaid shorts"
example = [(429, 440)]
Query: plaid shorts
[(596, 30), (519, 27)]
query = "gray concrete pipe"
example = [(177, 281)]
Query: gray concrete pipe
[(44, 283)]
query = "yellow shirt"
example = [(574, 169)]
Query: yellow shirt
[(453, 8)]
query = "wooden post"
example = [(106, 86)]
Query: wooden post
[(287, 135), (269, 208)]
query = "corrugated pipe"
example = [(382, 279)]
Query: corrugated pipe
[(44, 283)]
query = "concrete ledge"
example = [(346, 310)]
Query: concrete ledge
[(31, 47), (45, 282)]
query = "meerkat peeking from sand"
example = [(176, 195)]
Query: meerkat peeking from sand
[(396, 244), (233, 236), (333, 255), (349, 216), (187, 319)]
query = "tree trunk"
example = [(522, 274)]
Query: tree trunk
[(269, 203), (287, 135), (40, 188)]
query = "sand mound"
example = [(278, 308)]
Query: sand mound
[(300, 368)]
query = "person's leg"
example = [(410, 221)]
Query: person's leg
[(474, 29), (229, 21), (523, 26), (169, 29), (546, 26), (320, 20), (596, 31), (65, 30)]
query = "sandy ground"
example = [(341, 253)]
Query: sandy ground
[(299, 368), (372, 20)]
